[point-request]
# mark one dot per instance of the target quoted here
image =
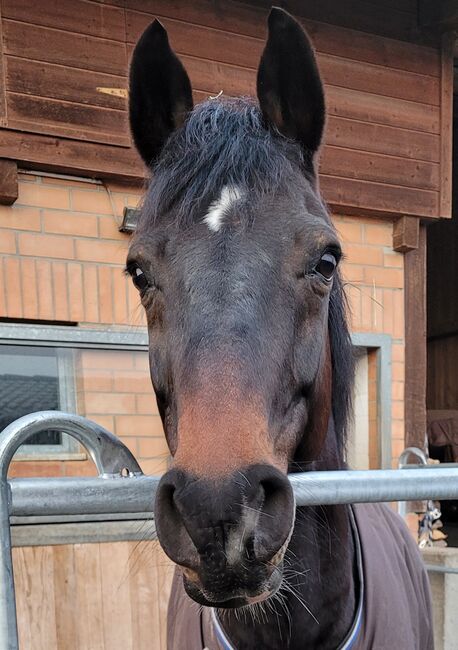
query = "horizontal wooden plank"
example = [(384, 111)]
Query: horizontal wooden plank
[(67, 119), (378, 138), (249, 17), (36, 151), (350, 196), (375, 108), (211, 77), (77, 16), (65, 48), (49, 153), (59, 82), (213, 35), (360, 165)]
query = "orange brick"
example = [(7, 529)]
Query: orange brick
[(19, 218), (60, 289), (120, 307), (348, 231), (105, 421), (130, 443), (98, 380), (397, 410), (7, 241), (398, 352), (91, 294), (152, 447), (388, 310), (75, 292), (35, 469), (109, 229), (141, 362), (363, 254), (398, 319), (105, 287), (91, 200), (132, 382), (378, 234), (382, 277), (45, 245), (95, 250), (3, 310), (397, 429), (139, 425), (352, 273), (146, 404), (107, 359), (394, 259), (397, 371), (79, 468), (29, 288), (155, 466), (397, 390), (110, 403), (70, 223), (45, 295), (43, 196), (397, 447), (13, 287)]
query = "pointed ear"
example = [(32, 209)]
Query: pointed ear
[(160, 93), (289, 86)]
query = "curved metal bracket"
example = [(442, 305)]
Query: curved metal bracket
[(110, 455)]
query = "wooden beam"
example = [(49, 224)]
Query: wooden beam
[(415, 343), (438, 15), (8, 181), (446, 124), (405, 234)]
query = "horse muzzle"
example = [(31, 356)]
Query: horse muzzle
[(229, 535)]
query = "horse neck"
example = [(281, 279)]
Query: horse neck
[(316, 604)]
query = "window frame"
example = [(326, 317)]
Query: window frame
[(66, 339)]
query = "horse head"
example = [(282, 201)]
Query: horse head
[(236, 262)]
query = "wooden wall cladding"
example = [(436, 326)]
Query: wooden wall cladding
[(101, 596), (383, 148)]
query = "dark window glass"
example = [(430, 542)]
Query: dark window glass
[(29, 382)]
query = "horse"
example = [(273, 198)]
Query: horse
[(236, 261)]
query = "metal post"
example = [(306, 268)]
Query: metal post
[(111, 458)]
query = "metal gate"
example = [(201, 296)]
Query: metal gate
[(121, 489)]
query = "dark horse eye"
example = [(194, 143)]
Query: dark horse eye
[(326, 266), (139, 278)]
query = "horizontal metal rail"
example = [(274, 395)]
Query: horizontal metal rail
[(122, 489), (86, 496)]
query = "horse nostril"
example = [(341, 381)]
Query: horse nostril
[(170, 526), (276, 517)]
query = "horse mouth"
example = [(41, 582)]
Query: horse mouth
[(237, 597)]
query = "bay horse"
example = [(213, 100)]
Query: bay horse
[(237, 264)]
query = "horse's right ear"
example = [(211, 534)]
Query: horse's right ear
[(289, 86), (160, 92)]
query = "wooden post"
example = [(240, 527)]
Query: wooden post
[(8, 181), (415, 343)]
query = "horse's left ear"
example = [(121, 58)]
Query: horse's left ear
[(160, 94), (289, 86)]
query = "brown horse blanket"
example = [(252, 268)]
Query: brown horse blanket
[(394, 611)]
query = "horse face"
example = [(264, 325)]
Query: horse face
[(235, 260)]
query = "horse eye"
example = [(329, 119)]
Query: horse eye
[(326, 266), (139, 278)]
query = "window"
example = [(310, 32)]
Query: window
[(37, 378)]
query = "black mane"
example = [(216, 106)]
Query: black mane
[(223, 141)]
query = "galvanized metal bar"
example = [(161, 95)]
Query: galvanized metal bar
[(111, 458), (84, 496)]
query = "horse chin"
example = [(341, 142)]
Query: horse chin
[(237, 598)]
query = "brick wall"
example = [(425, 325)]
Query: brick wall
[(62, 258)]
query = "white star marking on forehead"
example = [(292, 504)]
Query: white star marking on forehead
[(216, 211)]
